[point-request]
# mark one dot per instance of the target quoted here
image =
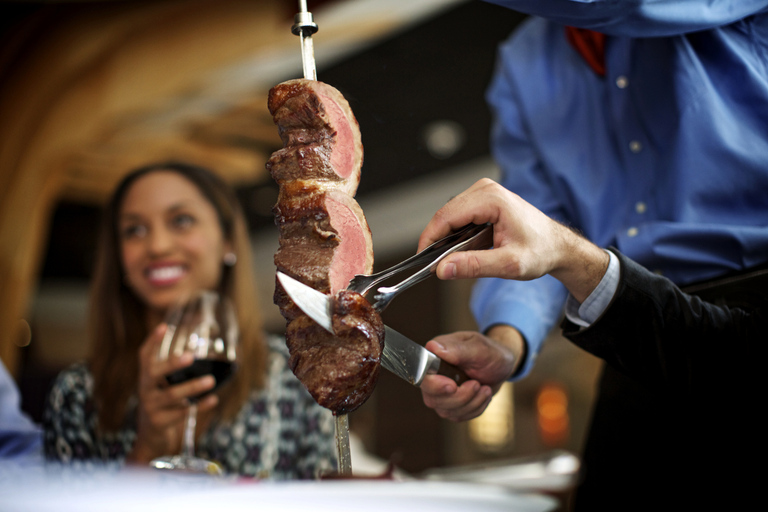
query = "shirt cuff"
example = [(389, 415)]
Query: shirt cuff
[(590, 310)]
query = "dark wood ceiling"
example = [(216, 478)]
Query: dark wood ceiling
[(91, 89), (432, 72)]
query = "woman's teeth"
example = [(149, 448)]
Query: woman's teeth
[(166, 273)]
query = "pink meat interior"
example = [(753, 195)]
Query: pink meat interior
[(343, 157), (350, 256)]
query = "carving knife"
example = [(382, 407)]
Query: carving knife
[(401, 355)]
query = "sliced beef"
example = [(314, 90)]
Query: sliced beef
[(320, 134), (324, 242), (309, 162), (340, 370)]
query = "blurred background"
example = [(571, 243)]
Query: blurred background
[(91, 89)]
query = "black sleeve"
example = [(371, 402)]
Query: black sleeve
[(663, 338)]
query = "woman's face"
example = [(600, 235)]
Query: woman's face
[(171, 243)]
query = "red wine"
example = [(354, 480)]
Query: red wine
[(220, 369)]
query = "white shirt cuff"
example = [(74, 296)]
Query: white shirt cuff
[(590, 310)]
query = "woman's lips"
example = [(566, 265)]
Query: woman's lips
[(165, 275)]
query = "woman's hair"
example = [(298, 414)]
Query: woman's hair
[(118, 318)]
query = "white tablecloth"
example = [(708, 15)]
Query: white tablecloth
[(37, 488)]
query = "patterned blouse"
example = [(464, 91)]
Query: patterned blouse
[(280, 433)]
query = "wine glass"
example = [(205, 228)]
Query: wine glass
[(206, 326)]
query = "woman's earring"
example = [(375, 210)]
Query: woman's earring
[(230, 259)]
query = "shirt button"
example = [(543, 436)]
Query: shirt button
[(640, 207), (622, 82), (632, 232), (635, 146)]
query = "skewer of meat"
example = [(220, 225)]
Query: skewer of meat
[(324, 241)]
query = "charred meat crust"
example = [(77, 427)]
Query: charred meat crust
[(342, 368), (300, 162)]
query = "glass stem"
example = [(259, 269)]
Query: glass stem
[(188, 446)]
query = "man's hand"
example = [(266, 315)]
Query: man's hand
[(526, 243), (485, 361)]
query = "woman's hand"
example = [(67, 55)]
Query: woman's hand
[(163, 408)]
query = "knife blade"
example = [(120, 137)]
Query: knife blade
[(401, 355)]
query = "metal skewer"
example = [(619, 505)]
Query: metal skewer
[(342, 444), (304, 26)]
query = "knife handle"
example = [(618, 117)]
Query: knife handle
[(452, 372)]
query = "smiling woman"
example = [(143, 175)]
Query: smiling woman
[(171, 240), (172, 229)]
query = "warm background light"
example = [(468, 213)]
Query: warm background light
[(494, 429), (552, 412)]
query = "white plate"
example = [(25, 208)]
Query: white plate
[(42, 490)]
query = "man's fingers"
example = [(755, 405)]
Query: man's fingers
[(470, 206), (439, 394), (481, 358), (475, 405), (438, 387), (450, 348), (459, 349), (470, 352), (495, 262), (475, 408), (464, 265), (465, 349), (469, 401)]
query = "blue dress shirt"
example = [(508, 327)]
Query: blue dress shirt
[(665, 157), (586, 313)]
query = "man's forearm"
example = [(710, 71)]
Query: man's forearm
[(582, 264), (509, 337)]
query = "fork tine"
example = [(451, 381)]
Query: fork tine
[(363, 283), (481, 239)]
